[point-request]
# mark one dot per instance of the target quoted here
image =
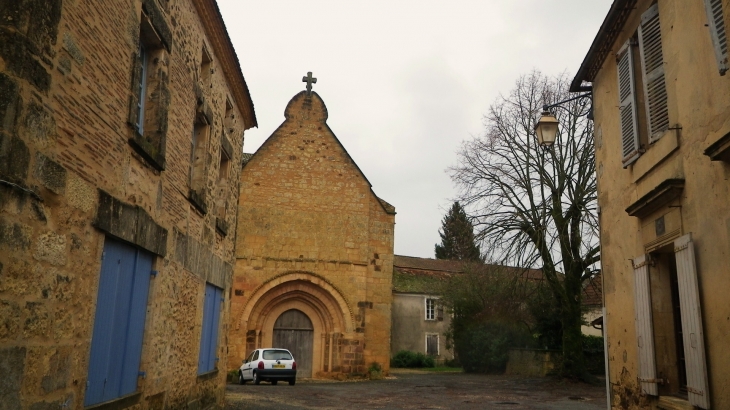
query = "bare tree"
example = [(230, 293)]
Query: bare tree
[(535, 206)]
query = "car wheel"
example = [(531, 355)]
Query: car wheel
[(292, 381), (256, 379), (241, 380), (273, 382)]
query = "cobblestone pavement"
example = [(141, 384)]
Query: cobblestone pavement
[(421, 390)]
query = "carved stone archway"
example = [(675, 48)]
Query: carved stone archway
[(309, 293)]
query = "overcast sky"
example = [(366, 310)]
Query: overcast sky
[(404, 81)]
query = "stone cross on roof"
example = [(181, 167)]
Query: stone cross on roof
[(309, 80)]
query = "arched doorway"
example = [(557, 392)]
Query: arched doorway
[(293, 330)]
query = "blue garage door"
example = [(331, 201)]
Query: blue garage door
[(121, 307)]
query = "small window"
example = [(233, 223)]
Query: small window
[(209, 336), (150, 95), (222, 185), (229, 119), (198, 162), (206, 67), (255, 355), (430, 309)]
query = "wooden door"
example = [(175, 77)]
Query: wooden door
[(293, 331)]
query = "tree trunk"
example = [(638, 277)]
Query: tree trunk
[(573, 361)]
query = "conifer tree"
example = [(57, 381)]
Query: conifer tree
[(457, 237)]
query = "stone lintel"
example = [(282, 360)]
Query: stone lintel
[(130, 223)]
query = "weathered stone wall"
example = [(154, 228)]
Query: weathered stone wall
[(410, 326), (69, 177), (699, 104), (307, 215)]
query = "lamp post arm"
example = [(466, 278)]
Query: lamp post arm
[(558, 104)]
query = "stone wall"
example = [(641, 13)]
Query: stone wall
[(698, 98), (69, 177), (312, 236)]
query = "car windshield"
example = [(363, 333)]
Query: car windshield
[(277, 355)]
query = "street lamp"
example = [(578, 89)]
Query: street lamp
[(546, 128)]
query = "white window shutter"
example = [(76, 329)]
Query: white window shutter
[(716, 23), (627, 106), (652, 63), (644, 331), (692, 335)]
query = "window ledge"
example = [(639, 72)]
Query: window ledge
[(666, 191), (720, 150), (673, 403), (197, 198), (152, 155), (221, 226), (117, 404), (655, 154)]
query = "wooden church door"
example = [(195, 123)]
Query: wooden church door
[(293, 331)]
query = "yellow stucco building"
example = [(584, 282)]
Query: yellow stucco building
[(662, 140), (314, 252)]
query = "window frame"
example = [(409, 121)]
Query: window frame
[(432, 309)]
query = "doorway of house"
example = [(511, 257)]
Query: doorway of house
[(294, 331)]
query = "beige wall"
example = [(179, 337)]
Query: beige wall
[(313, 236), (410, 326), (64, 93), (699, 103)]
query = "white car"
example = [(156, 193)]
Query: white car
[(270, 365)]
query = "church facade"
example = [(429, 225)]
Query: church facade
[(314, 252)]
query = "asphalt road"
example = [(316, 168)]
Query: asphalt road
[(421, 390)]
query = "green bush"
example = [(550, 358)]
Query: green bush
[(407, 358), (484, 348), (593, 354)]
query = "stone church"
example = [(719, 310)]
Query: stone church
[(314, 251)]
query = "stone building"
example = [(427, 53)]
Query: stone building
[(121, 126), (661, 100), (314, 251), (420, 321)]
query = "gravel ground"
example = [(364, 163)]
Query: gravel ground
[(421, 390)]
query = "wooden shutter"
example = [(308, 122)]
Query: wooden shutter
[(209, 332), (716, 24), (627, 106), (652, 63), (432, 345), (692, 335), (116, 343), (644, 331)]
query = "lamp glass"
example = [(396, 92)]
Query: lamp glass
[(546, 129)]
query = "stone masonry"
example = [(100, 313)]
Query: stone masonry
[(312, 236), (75, 171)]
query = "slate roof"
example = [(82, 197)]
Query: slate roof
[(245, 158)]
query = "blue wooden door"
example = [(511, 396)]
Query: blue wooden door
[(209, 333), (116, 344)]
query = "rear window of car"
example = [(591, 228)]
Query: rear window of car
[(277, 355)]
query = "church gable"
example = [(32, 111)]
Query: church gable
[(310, 157)]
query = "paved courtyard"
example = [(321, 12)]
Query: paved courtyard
[(421, 390)]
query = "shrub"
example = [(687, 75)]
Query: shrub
[(375, 371), (407, 358)]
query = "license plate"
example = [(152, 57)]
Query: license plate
[(279, 366)]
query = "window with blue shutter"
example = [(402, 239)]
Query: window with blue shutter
[(209, 335), (121, 307)]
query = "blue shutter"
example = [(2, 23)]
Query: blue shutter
[(116, 343), (209, 331)]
